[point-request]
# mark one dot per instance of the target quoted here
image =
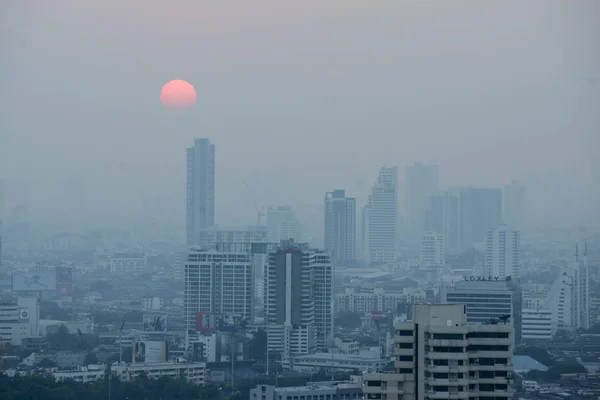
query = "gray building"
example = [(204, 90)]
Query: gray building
[(421, 183), (487, 300), (515, 205), (200, 191), (340, 227), (443, 217), (298, 299), (332, 390), (480, 210)]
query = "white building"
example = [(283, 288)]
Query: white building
[(220, 283), (152, 303), (191, 372), (502, 252), (19, 320), (282, 224), (311, 363), (346, 390), (91, 373), (355, 299), (298, 299), (439, 355), (340, 227), (537, 324), (433, 250), (380, 219), (128, 264), (208, 344), (200, 192)]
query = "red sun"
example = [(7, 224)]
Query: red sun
[(178, 94)]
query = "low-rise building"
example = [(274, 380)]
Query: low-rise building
[(537, 324), (311, 363), (347, 390), (91, 373), (191, 372)]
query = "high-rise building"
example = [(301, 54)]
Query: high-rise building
[(421, 183), (298, 299), (440, 355), (218, 282), (480, 210), (200, 192), (432, 252), (515, 205), (502, 252), (487, 298), (340, 227), (380, 218), (443, 216), (282, 224)]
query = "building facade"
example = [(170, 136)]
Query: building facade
[(298, 299), (220, 283), (433, 250), (440, 355), (380, 219), (480, 210), (340, 227), (502, 252), (282, 224), (200, 191), (443, 216), (421, 183)]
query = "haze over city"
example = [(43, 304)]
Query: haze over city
[(299, 98)]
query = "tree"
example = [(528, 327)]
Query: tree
[(90, 358)]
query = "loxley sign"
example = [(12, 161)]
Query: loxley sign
[(482, 278)]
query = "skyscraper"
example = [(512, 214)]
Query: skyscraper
[(200, 193), (515, 205), (502, 252), (432, 252), (282, 224), (340, 227), (380, 218), (219, 282), (421, 183), (480, 210), (443, 217), (298, 299)]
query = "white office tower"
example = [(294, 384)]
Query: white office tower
[(282, 224), (340, 227), (220, 283), (515, 205), (380, 218), (570, 294), (502, 252), (440, 355), (298, 299), (432, 253), (487, 299), (200, 192), (421, 183), (538, 324)]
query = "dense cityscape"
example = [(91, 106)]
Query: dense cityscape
[(452, 297)]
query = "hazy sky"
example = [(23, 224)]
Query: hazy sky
[(300, 97)]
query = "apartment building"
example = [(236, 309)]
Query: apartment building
[(439, 355)]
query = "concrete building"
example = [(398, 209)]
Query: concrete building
[(443, 216), (433, 250), (128, 264), (152, 303), (380, 219), (81, 374), (480, 210), (439, 355), (537, 324), (487, 299), (282, 224), (365, 300), (336, 390), (421, 183), (218, 282), (340, 227), (191, 372), (200, 192), (16, 321), (298, 299), (313, 363), (515, 205), (502, 252)]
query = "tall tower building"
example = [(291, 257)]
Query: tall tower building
[(298, 299), (421, 183), (200, 193), (443, 216), (380, 218), (480, 210), (502, 252), (440, 355), (220, 283), (282, 224), (340, 227), (580, 271), (515, 205), (432, 252)]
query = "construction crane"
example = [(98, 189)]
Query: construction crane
[(260, 212)]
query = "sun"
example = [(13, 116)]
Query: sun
[(178, 94)]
